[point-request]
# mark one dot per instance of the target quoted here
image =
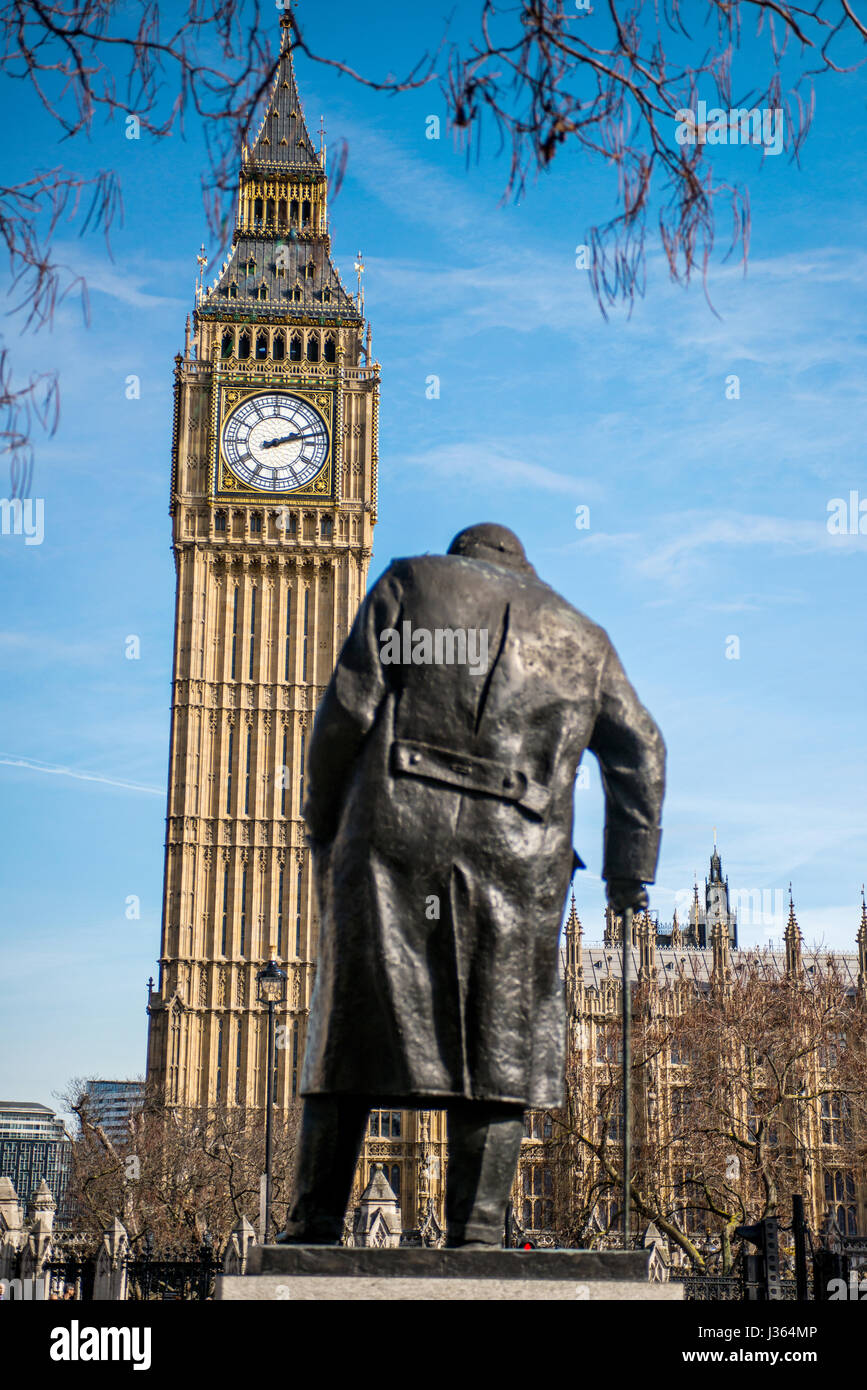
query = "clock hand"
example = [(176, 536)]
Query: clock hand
[(289, 438)]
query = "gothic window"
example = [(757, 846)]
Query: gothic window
[(281, 212), (840, 1199), (280, 914), (681, 1103), (250, 266), (299, 885), (384, 1124), (228, 344), (234, 637), (537, 1124), (326, 296), (309, 270), (326, 528), (330, 348), (312, 347), (836, 1128), (257, 210), (537, 1211), (269, 210), (759, 1120), (252, 630), (609, 1108), (608, 1048), (296, 294), (229, 773), (301, 775), (219, 521), (305, 213), (256, 523), (244, 888), (283, 776), (295, 1059), (295, 348), (287, 635), (393, 1174), (293, 211), (304, 635), (278, 347), (238, 1064), (225, 913), (233, 289), (219, 1078), (244, 345), (261, 347), (261, 292)]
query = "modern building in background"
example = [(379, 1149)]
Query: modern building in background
[(34, 1145), (111, 1103)]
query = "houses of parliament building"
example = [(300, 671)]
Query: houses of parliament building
[(273, 501)]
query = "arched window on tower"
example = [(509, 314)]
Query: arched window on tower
[(278, 347), (296, 294), (233, 289), (329, 351), (281, 212), (227, 346), (295, 348), (293, 211), (244, 345), (257, 210), (261, 347), (326, 295), (309, 270), (313, 347), (269, 210), (305, 213)]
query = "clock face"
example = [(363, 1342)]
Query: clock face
[(275, 442)]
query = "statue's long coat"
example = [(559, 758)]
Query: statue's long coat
[(440, 808)]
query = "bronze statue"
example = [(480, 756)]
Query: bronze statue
[(439, 810)]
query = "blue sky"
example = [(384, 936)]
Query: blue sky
[(707, 515)]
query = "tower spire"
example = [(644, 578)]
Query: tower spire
[(862, 945), (793, 940)]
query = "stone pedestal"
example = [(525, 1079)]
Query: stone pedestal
[(312, 1272)]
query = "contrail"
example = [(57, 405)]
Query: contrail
[(33, 765)]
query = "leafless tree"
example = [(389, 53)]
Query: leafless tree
[(742, 1095), (178, 1175), (543, 74)]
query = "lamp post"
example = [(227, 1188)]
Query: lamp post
[(270, 990), (627, 1078)]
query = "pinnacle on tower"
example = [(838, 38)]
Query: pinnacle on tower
[(862, 945), (793, 939), (574, 933), (676, 935)]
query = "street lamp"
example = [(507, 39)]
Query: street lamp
[(270, 990)]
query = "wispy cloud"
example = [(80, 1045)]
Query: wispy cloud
[(116, 278), (55, 770), (696, 537), (491, 467)]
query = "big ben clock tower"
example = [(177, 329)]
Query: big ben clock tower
[(273, 502)]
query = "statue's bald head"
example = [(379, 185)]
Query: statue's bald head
[(495, 544)]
